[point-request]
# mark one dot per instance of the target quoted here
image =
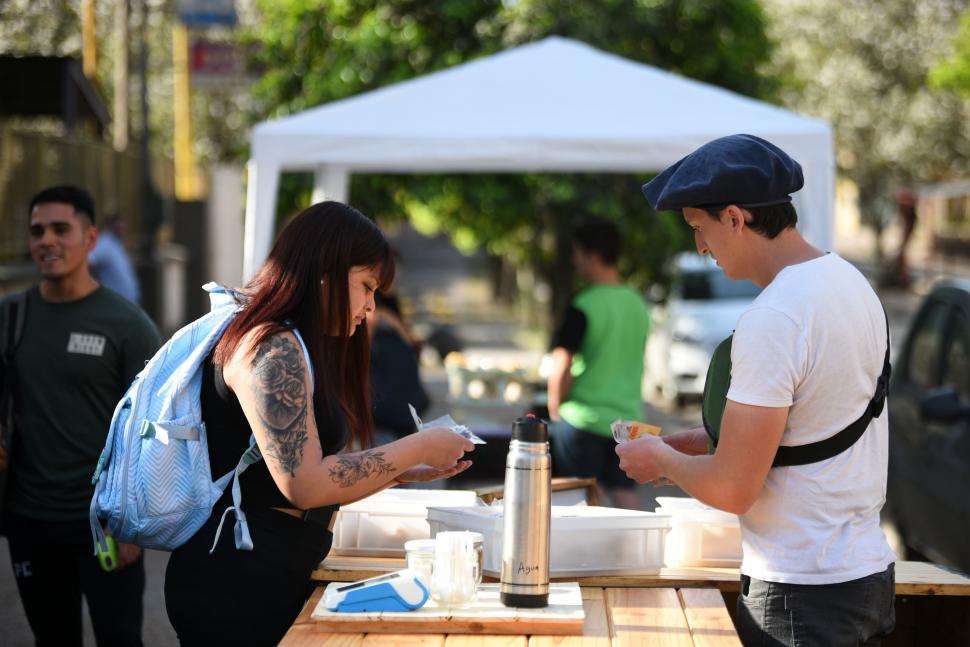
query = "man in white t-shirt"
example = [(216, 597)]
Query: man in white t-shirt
[(805, 360)]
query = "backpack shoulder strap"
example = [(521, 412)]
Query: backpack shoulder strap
[(14, 309), (243, 538), (13, 313), (306, 356)]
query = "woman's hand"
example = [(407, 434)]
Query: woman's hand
[(423, 473), (441, 448), (128, 554)]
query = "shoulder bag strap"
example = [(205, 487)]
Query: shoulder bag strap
[(835, 445)]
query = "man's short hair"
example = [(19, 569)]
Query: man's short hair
[(768, 221), (600, 237), (78, 198)]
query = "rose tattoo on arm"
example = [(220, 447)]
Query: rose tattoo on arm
[(281, 399), (350, 468)]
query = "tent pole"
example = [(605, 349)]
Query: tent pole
[(331, 183), (260, 229)]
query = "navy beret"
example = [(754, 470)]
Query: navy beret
[(743, 170)]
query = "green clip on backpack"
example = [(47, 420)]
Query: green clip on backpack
[(718, 382)]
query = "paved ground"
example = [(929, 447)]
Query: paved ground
[(442, 286)]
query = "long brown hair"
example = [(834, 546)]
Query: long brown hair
[(323, 242)]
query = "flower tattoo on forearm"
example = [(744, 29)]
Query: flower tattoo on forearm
[(281, 400), (351, 468)]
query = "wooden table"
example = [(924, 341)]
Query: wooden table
[(912, 578), (588, 486), (678, 606), (614, 616)]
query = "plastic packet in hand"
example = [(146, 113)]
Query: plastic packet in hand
[(445, 421), (624, 430)]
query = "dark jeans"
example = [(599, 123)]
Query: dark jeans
[(54, 564), (585, 454), (859, 612)]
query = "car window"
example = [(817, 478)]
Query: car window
[(703, 286), (924, 353), (956, 354)]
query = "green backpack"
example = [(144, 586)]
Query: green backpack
[(716, 386)]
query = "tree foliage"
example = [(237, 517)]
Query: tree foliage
[(723, 43), (308, 52), (313, 51), (863, 66), (40, 27), (53, 28), (954, 72)]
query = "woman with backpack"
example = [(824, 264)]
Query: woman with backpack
[(292, 370)]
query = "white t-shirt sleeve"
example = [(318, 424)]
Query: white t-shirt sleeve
[(767, 359)]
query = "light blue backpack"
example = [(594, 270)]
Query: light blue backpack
[(153, 483)]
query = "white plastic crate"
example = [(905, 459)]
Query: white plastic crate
[(379, 525), (584, 540), (700, 535)]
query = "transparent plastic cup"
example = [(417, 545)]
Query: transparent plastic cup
[(420, 558), (456, 570)]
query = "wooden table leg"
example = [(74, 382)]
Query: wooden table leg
[(708, 618), (647, 616)]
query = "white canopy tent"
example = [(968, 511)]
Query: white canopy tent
[(556, 105)]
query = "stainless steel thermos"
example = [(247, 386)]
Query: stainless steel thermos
[(527, 511)]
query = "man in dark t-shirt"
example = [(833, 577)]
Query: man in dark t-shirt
[(81, 347)]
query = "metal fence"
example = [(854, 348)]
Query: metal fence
[(32, 161)]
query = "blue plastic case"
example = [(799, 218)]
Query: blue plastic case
[(398, 591)]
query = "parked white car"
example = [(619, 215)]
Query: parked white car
[(703, 308)]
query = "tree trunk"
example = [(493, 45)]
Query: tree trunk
[(869, 193), (560, 276), (502, 278)]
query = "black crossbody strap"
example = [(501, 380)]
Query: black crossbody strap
[(835, 445), (14, 315)]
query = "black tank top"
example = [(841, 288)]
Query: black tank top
[(228, 431)]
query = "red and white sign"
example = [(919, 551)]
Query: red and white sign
[(209, 58)]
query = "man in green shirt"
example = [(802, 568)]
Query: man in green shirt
[(597, 366), (82, 345)]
